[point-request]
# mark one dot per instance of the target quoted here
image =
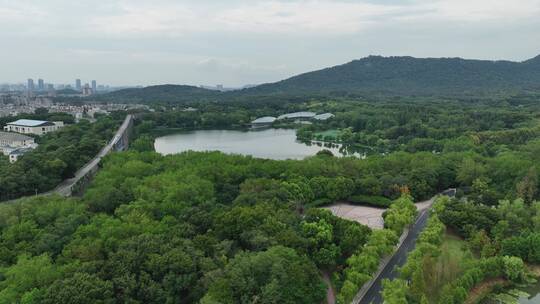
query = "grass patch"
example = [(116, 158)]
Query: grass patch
[(448, 266)]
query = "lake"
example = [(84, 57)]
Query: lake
[(267, 143)]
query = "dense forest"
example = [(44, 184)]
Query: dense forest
[(179, 229), (479, 136), (214, 228), (413, 126), (183, 228), (202, 226)]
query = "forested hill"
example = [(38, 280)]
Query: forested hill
[(396, 76), (161, 93), (534, 62), (408, 75)]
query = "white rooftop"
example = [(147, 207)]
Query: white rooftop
[(266, 119), (323, 116), (28, 122), (297, 115)]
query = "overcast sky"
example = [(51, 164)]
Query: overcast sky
[(236, 42)]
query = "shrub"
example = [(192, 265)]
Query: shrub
[(412, 272), (525, 246), (320, 202), (457, 291), (363, 264), (371, 200)]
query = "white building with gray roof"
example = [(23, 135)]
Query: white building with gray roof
[(297, 115), (263, 122), (15, 154), (14, 145), (323, 116), (15, 140), (29, 126)]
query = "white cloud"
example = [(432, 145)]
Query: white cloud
[(485, 10), (246, 41), (319, 17), (20, 17), (232, 64), (167, 18), (302, 17)]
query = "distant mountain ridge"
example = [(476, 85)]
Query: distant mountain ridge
[(533, 61), (409, 75), (398, 76), (161, 93)]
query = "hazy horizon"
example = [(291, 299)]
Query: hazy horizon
[(248, 42)]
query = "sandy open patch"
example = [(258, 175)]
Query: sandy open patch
[(369, 216)]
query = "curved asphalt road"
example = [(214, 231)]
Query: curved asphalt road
[(65, 187), (373, 295)]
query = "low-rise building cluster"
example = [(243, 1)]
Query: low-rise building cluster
[(16, 104), (14, 140)]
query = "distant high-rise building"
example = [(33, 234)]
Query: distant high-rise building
[(51, 92), (87, 91), (219, 87), (30, 85), (78, 84), (94, 86), (41, 84)]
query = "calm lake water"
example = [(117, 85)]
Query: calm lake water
[(268, 143)]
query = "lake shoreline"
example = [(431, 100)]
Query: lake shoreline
[(269, 143), (534, 288)]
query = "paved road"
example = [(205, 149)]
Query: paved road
[(65, 187), (373, 295), (330, 293)]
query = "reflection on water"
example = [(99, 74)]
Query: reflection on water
[(533, 295), (268, 143), (528, 295)]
